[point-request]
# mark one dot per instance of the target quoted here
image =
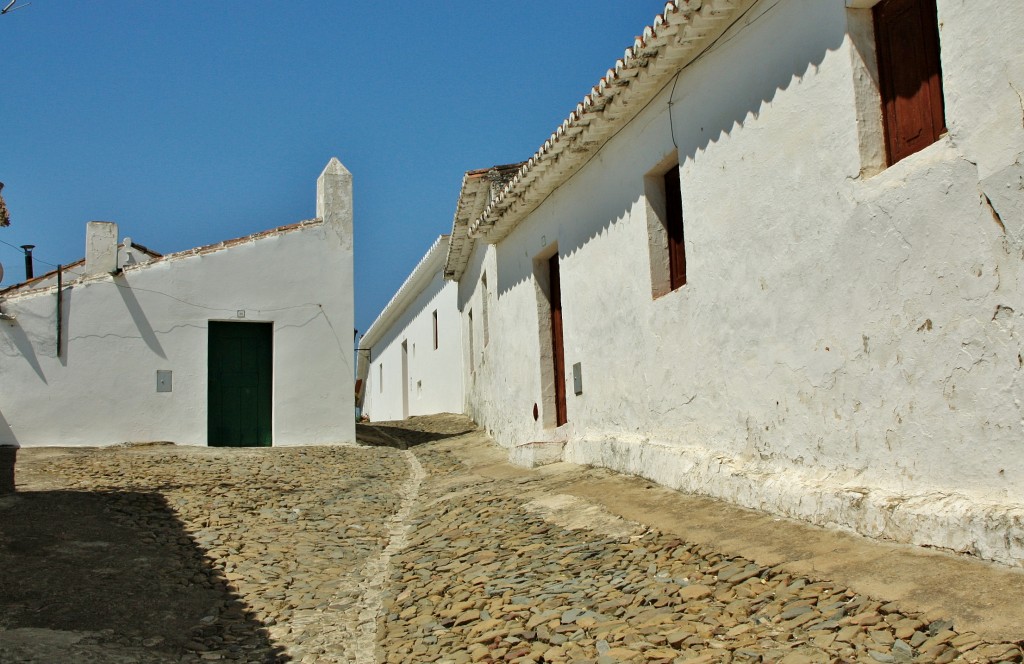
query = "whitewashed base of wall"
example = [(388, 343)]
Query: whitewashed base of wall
[(955, 522), (532, 455)]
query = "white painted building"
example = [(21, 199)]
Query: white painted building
[(245, 342), (410, 360), (789, 245)]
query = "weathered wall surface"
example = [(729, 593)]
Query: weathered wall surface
[(119, 330), (847, 348), (433, 375)]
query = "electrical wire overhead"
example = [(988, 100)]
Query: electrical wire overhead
[(10, 7)]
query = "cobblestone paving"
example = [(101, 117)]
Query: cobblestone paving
[(320, 554), (290, 534), (488, 576)]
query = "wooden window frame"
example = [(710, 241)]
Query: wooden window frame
[(674, 229), (666, 227)]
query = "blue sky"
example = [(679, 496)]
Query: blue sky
[(193, 122)]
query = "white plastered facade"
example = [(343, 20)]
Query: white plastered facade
[(119, 329), (847, 348), (403, 371)]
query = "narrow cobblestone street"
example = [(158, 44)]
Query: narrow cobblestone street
[(423, 545)]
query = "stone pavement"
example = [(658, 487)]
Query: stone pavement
[(425, 546)]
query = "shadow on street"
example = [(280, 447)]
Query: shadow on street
[(403, 434), (119, 570)]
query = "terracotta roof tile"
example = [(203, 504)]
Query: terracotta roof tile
[(478, 188), (158, 258), (218, 246), (69, 269), (672, 41)]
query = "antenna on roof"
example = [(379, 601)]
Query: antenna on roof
[(9, 7)]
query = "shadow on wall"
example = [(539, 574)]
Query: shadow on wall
[(778, 44), (119, 569), (138, 316), (23, 344)]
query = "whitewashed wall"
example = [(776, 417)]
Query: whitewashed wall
[(119, 330), (847, 348), (434, 377)]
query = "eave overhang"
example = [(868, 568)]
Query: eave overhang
[(675, 38)]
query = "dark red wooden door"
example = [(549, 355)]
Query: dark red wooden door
[(557, 347), (907, 35)]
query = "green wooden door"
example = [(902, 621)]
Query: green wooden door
[(241, 357)]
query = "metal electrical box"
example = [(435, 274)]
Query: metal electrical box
[(577, 378), (163, 380)]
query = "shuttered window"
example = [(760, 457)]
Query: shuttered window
[(910, 77), (674, 229)]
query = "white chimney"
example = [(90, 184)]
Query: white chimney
[(100, 247), (334, 200)]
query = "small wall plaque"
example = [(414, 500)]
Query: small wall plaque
[(163, 380), (577, 378)]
